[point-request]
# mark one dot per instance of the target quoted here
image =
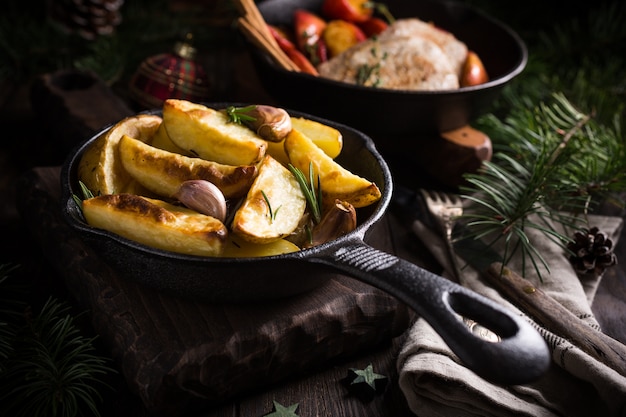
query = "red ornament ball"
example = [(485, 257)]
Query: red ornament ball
[(170, 75)]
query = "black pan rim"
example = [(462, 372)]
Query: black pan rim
[(69, 208)]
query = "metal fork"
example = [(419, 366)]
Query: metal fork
[(445, 209)]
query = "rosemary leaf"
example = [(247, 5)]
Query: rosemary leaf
[(240, 114), (272, 213), (312, 193)]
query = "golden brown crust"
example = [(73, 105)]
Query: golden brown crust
[(162, 172), (131, 203), (157, 224)]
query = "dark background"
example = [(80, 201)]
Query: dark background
[(566, 40)]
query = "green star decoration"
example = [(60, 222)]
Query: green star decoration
[(365, 383), (366, 375), (282, 411)]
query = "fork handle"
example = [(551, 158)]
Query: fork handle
[(454, 263)]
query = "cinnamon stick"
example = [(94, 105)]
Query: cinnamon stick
[(557, 319), (254, 27), (254, 36)]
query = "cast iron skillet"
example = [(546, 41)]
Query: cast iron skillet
[(520, 357), (392, 113)]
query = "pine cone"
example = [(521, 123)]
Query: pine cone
[(87, 18), (592, 251)]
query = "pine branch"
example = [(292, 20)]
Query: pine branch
[(51, 369), (552, 166)]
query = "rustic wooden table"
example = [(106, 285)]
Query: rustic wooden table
[(169, 350), (163, 346)]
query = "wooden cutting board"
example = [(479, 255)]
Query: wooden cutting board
[(179, 355)]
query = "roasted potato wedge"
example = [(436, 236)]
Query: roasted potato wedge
[(162, 140), (237, 247), (163, 172), (277, 151), (273, 206), (156, 223), (209, 134), (337, 183), (325, 137), (100, 168)]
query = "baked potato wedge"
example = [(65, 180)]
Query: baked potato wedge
[(237, 247), (209, 134), (273, 206), (162, 140), (337, 183), (326, 137), (277, 151), (100, 168), (163, 172), (156, 223)]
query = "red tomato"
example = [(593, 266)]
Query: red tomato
[(350, 10), (373, 26), (290, 49), (308, 28)]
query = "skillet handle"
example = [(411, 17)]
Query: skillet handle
[(520, 357)]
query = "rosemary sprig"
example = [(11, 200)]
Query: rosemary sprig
[(87, 194), (312, 193), (272, 213), (240, 114)]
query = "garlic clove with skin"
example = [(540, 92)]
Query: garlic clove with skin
[(339, 219), (270, 123), (204, 197), (274, 123)]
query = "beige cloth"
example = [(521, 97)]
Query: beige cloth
[(435, 383)]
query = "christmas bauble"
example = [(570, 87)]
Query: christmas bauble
[(170, 75)]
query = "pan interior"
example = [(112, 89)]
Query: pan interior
[(204, 277)]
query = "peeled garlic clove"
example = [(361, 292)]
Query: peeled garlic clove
[(338, 220), (271, 123), (204, 197)]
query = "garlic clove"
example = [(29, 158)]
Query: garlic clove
[(338, 220), (275, 125), (204, 197), (271, 123)]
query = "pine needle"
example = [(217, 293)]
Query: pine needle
[(555, 164)]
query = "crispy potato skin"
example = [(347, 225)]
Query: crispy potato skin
[(163, 172), (100, 168), (137, 167), (253, 220), (325, 137), (209, 134), (157, 224), (237, 247), (337, 182), (162, 140)]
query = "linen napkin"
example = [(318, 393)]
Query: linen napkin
[(435, 383)]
